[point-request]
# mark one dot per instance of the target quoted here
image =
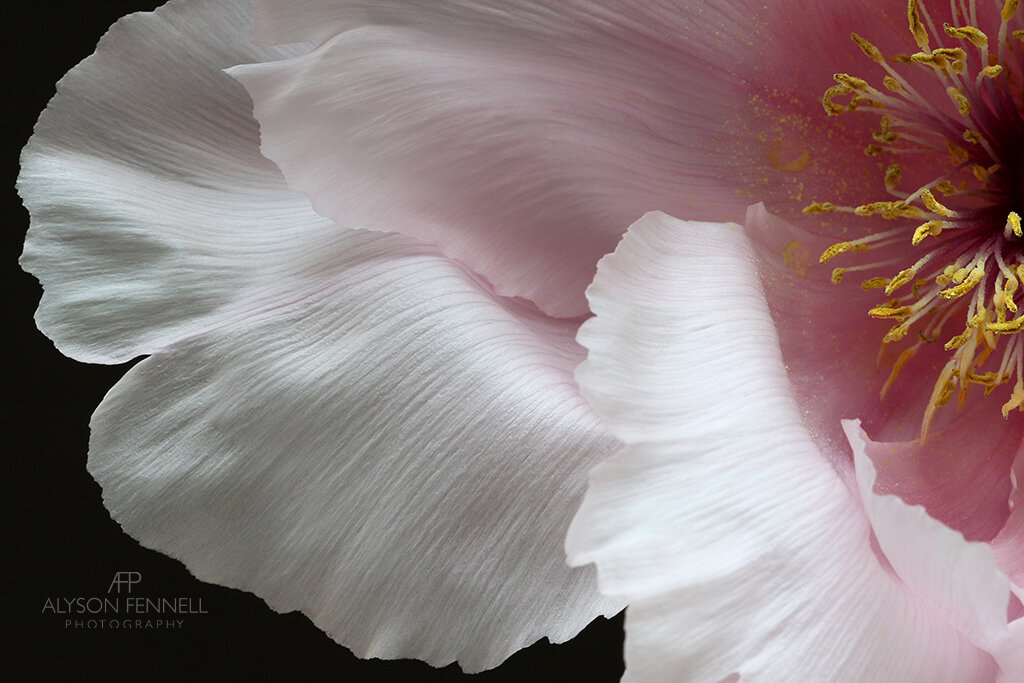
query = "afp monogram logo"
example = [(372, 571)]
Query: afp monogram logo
[(119, 609)]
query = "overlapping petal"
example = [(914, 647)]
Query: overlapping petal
[(342, 422), (721, 521)]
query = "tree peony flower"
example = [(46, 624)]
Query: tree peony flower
[(381, 429)]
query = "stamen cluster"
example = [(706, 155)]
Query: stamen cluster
[(971, 260)]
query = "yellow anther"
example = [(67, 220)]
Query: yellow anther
[(873, 150), (947, 188), (874, 283), (902, 278), (819, 207), (945, 394), (851, 82), (892, 176), (917, 28), (892, 84), (1013, 220), (980, 172), (1008, 291), (889, 210), (958, 153), (968, 283), (1008, 327), (858, 100), (972, 136), (897, 312), (870, 50), (930, 229), (977, 38), (956, 56), (837, 275), (932, 59), (933, 204), (896, 333), (831, 108), (916, 289), (886, 134), (1019, 35), (962, 104), (959, 340), (992, 71), (841, 248), (1009, 9), (1016, 400)]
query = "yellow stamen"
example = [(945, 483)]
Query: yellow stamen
[(819, 207), (870, 50), (1008, 327), (841, 248), (874, 283), (892, 176), (1016, 400), (892, 84), (1013, 220), (917, 28), (992, 71), (837, 275), (962, 104), (891, 312), (1009, 9), (933, 204), (897, 366), (929, 229), (888, 210), (977, 38), (966, 285), (902, 278), (831, 108)]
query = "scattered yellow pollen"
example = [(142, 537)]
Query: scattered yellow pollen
[(977, 37), (933, 204), (962, 104), (819, 207), (892, 84), (1013, 220), (917, 29), (930, 229), (874, 283), (992, 71), (870, 50), (968, 283), (841, 248)]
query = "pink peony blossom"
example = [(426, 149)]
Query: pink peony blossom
[(367, 412)]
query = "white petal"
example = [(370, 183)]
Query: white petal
[(154, 215), (739, 547), (398, 456)]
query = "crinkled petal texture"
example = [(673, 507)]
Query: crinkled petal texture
[(742, 551), (522, 136), (343, 422)]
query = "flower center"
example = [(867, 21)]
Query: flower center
[(958, 103)]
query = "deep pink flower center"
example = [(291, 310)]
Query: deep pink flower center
[(950, 122)]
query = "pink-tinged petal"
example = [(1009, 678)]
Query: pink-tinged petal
[(739, 548), (521, 157), (154, 215), (958, 579), (398, 456)]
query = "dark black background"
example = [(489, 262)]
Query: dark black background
[(60, 540)]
